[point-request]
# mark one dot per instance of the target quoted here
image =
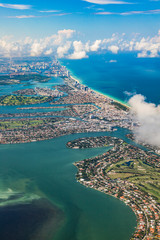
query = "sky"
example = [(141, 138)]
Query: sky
[(91, 18), (93, 25)]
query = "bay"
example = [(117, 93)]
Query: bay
[(46, 169)]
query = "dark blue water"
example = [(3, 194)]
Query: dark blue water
[(128, 73)]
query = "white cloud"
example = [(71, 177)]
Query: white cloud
[(78, 46), (68, 33), (64, 45), (79, 51), (104, 2), (39, 16), (155, 11), (63, 34), (95, 46), (113, 61), (78, 55), (49, 51), (113, 48), (36, 48), (148, 116), (148, 47), (57, 43), (63, 50), (104, 13), (15, 6), (50, 11), (142, 54), (129, 94), (22, 16)]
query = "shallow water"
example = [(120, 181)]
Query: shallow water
[(45, 169)]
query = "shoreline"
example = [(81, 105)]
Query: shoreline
[(74, 78), (90, 174)]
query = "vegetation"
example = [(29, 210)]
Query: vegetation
[(15, 124), (120, 106), (11, 100), (17, 79), (145, 177)]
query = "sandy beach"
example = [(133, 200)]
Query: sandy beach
[(102, 94)]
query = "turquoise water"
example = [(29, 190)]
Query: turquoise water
[(9, 89), (129, 73), (46, 169)]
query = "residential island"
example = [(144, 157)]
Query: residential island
[(128, 173)]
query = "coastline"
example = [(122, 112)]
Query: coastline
[(92, 173), (80, 81), (74, 78)]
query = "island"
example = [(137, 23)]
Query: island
[(14, 78), (10, 100), (127, 173)]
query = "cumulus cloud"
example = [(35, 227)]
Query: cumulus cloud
[(49, 51), (148, 47), (63, 50), (78, 55), (56, 41), (15, 6), (95, 46), (36, 47), (148, 116), (79, 51), (63, 44), (63, 34), (113, 49)]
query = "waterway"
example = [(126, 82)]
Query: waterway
[(46, 169)]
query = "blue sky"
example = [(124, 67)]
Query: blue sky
[(92, 19), (74, 28)]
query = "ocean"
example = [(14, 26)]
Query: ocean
[(119, 75)]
